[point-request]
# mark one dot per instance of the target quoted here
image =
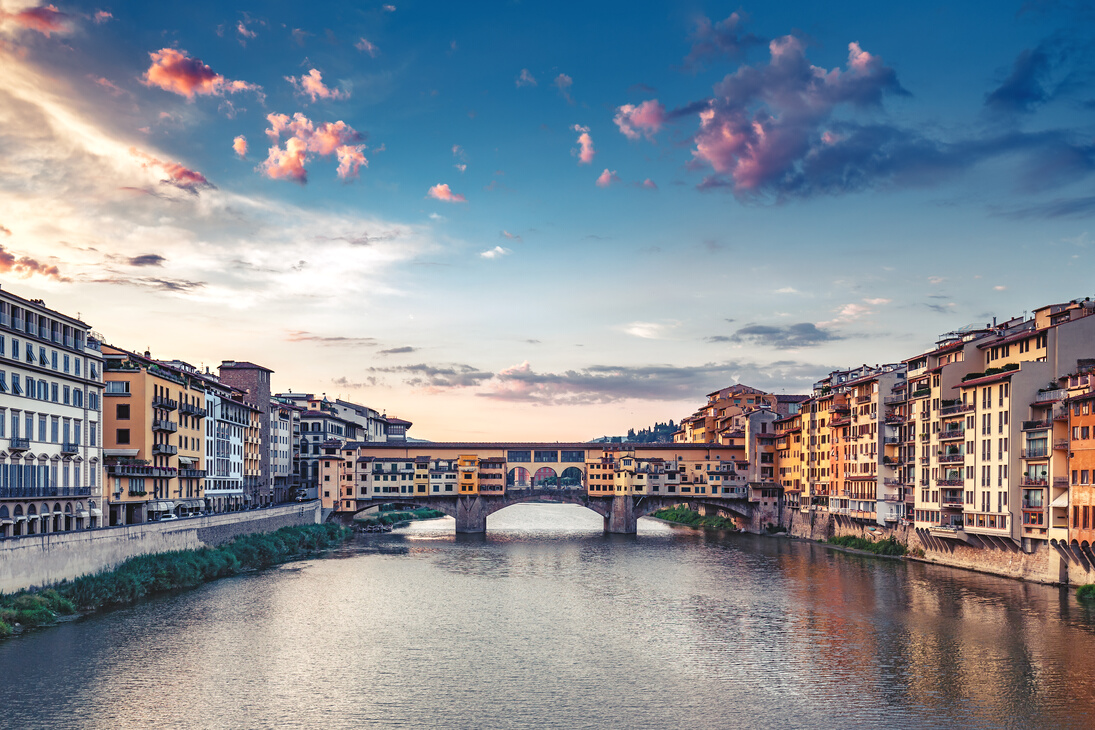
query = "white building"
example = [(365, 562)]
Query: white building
[(50, 415)]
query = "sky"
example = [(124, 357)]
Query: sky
[(545, 221)]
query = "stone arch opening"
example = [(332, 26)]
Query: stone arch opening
[(571, 478), (545, 478), (518, 478)]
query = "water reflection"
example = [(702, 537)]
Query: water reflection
[(546, 622)]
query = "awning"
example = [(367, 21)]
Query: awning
[(120, 452), (161, 506), (186, 460), (81, 513), (1061, 501), (96, 513)]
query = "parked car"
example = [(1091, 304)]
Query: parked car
[(169, 516)]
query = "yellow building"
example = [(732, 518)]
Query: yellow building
[(153, 443)]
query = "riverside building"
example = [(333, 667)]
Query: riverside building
[(50, 420)]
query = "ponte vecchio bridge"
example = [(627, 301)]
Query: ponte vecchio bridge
[(621, 482)]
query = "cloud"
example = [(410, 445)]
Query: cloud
[(330, 340), (45, 19), (495, 253), (109, 85), (646, 119), (563, 83), (649, 330), (1025, 87), (766, 120), (850, 313), (365, 46), (311, 84), (25, 267), (803, 334), (147, 259), (442, 192), (405, 350), (999, 287), (461, 167), (441, 376), (649, 184), (1083, 207), (388, 8), (177, 176), (607, 177), (102, 16), (718, 339), (525, 79), (787, 290), (239, 146), (511, 236), (306, 139), (5, 230), (458, 152), (244, 32), (724, 39), (585, 154), (878, 301), (173, 70)]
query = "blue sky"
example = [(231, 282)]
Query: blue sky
[(786, 188)]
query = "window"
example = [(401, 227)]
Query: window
[(16, 388), (122, 436), (117, 386), (122, 411)]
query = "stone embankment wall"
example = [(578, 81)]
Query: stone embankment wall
[(1047, 564), (38, 560)]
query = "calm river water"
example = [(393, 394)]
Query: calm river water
[(546, 622)]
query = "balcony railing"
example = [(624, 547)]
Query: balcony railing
[(960, 408), (949, 482), (892, 399), (167, 404), (952, 458), (165, 449), (70, 448), (19, 443), (1050, 395), (1039, 453), (1034, 425), (192, 410), (921, 393), (192, 473), (952, 433), (952, 502), (139, 470), (1060, 443), (162, 424), (863, 399), (1034, 482), (36, 492), (1060, 482)]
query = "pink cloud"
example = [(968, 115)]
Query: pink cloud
[(5, 230), (767, 121), (365, 46), (24, 266), (649, 184), (108, 85), (442, 192), (606, 178), (307, 139), (585, 154), (102, 16), (312, 85), (46, 19), (173, 70), (239, 145), (646, 119), (244, 32), (177, 175)]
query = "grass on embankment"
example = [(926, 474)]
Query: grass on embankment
[(889, 546), (147, 575), (1086, 592), (685, 516), (394, 518)]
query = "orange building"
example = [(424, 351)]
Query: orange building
[(1081, 467)]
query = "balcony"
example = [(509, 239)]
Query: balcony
[(894, 399), (1060, 482), (165, 449), (863, 399), (949, 482), (1036, 425), (192, 473), (1049, 396), (952, 458), (167, 404), (922, 393), (190, 409), (952, 502), (17, 443), (1060, 444), (952, 410), (139, 470), (895, 418), (162, 424), (1034, 482), (952, 433), (70, 448), (1039, 453)]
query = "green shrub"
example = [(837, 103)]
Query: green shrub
[(889, 546), (684, 516), (1086, 592)]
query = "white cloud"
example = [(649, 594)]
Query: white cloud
[(650, 330), (787, 290), (495, 253)]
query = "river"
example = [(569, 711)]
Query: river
[(546, 622)]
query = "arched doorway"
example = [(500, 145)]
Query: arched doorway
[(571, 478), (518, 478), (545, 478)]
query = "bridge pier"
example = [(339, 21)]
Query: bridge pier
[(471, 515), (621, 519)]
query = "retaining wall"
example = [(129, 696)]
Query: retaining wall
[(1047, 564), (37, 560)]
